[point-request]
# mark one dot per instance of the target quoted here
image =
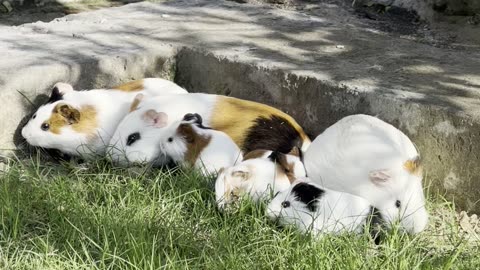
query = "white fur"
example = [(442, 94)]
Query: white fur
[(147, 149), (111, 106), (257, 178), (336, 211), (364, 156), (221, 152)]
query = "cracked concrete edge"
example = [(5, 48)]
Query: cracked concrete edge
[(449, 141)]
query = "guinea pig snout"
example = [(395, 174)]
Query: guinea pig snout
[(28, 135), (25, 133)]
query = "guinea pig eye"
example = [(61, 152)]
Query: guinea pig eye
[(45, 126), (170, 139), (34, 116), (285, 204), (398, 204), (133, 138)]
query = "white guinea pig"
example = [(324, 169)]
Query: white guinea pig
[(189, 143), (260, 173), (82, 122), (367, 157), (251, 126), (310, 207)]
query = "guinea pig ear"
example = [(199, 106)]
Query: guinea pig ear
[(295, 151), (242, 173), (156, 119), (281, 160), (138, 98), (63, 88), (71, 114), (59, 89), (193, 118), (379, 177)]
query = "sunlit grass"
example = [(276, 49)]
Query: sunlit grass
[(98, 217)]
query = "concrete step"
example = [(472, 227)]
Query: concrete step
[(318, 68)]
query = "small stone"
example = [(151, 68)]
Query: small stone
[(474, 217), (340, 47), (465, 222), (6, 7)]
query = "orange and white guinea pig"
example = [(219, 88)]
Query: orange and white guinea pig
[(251, 126), (80, 123)]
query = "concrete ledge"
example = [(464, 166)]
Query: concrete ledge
[(317, 68)]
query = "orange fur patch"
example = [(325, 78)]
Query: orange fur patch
[(132, 86), (134, 104), (87, 120), (235, 116), (413, 166), (284, 168)]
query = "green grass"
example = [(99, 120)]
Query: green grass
[(99, 217)]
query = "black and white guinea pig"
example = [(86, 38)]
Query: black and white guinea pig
[(190, 143), (82, 122), (312, 208), (367, 157), (262, 172), (251, 125)]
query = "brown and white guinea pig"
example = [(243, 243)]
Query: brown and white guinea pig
[(82, 122), (312, 208), (260, 174), (190, 143), (251, 125), (367, 157)]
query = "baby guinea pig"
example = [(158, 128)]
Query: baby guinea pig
[(367, 157), (189, 143), (310, 207), (80, 123), (260, 173)]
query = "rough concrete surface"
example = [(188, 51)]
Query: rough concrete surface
[(318, 68)]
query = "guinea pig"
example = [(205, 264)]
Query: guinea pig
[(190, 143), (251, 125), (367, 157), (260, 173), (80, 123), (311, 208)]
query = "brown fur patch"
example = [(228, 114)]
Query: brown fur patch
[(414, 166), (235, 117), (254, 154), (132, 86), (195, 142), (86, 119), (134, 104), (285, 168)]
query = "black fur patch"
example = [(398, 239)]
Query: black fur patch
[(196, 118), (55, 96), (274, 133), (308, 194), (274, 156)]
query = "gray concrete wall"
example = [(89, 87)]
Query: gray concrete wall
[(318, 68)]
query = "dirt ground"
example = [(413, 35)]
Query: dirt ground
[(456, 32)]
